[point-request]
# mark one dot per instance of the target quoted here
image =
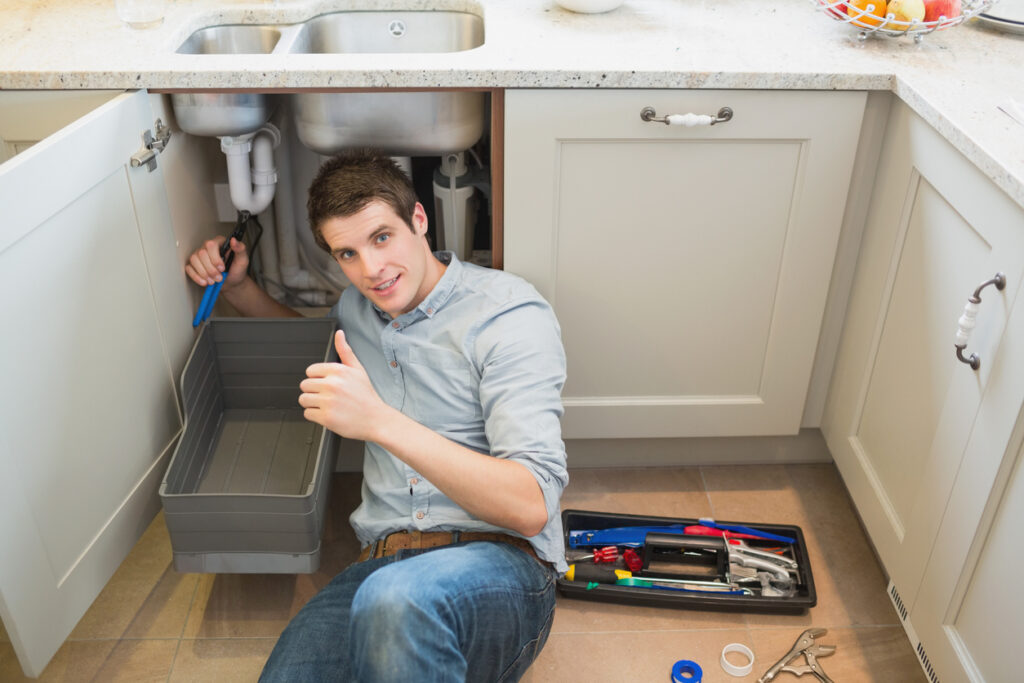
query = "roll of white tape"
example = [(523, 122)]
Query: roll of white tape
[(732, 669)]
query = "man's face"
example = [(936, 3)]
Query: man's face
[(389, 263)]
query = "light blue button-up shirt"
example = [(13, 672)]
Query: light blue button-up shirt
[(479, 361)]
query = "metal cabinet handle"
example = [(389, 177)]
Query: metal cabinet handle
[(688, 120), (967, 321)]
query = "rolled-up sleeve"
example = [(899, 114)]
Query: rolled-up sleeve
[(521, 363)]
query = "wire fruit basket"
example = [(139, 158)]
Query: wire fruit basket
[(873, 18)]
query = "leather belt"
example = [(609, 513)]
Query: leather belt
[(400, 540)]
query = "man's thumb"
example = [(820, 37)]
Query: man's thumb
[(345, 352)]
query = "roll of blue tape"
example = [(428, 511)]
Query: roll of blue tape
[(685, 671)]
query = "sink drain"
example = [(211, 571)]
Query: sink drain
[(396, 28)]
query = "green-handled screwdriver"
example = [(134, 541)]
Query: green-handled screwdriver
[(590, 573)]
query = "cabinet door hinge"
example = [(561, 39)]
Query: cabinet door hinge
[(151, 146)]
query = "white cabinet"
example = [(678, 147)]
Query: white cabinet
[(969, 615), (688, 266), (96, 327), (918, 436)]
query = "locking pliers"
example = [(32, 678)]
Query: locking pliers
[(805, 646)]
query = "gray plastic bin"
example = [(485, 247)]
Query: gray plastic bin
[(246, 490)]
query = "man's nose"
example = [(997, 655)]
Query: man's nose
[(372, 265)]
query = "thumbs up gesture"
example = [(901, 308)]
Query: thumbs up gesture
[(340, 397)]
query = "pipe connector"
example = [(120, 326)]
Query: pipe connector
[(264, 177), (237, 145)]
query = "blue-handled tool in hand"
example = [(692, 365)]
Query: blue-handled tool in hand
[(227, 255)]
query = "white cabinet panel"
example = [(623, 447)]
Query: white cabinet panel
[(688, 266), (923, 441), (968, 613), (940, 263), (902, 405), (88, 404), (991, 617)]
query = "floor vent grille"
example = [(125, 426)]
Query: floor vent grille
[(897, 601), (923, 656), (915, 642)]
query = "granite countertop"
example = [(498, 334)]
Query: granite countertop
[(955, 79)]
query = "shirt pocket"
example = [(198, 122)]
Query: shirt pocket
[(444, 389)]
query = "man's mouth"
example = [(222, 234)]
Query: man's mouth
[(385, 286)]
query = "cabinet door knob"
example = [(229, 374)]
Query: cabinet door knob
[(969, 318), (688, 120)]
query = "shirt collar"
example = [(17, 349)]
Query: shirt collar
[(441, 292)]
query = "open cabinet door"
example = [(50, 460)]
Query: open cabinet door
[(88, 405)]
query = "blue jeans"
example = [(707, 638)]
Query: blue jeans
[(478, 612)]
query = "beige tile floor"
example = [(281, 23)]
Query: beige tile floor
[(152, 624)]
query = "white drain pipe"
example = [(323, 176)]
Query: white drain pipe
[(252, 187), (293, 275)]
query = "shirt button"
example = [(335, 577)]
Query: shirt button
[(414, 481), (420, 515), (394, 363), (430, 310), (395, 325)]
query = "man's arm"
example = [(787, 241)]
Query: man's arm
[(205, 267), (500, 491)]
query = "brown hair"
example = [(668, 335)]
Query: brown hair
[(348, 182)]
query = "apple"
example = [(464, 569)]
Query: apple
[(933, 9), (904, 11), (835, 8)]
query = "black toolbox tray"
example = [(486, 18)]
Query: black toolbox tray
[(575, 520)]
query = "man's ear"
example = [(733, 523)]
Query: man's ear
[(419, 219)]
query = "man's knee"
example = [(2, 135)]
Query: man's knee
[(397, 632), (382, 603)]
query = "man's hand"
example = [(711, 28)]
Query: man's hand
[(340, 397), (205, 266)]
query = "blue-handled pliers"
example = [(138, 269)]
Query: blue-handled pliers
[(227, 255)]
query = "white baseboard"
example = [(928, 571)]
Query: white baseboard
[(804, 447)]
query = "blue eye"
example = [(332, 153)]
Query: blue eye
[(345, 255), (383, 237)]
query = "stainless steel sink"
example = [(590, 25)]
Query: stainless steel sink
[(390, 32), (231, 40), (219, 114), (407, 123)]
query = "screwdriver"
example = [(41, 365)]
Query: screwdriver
[(596, 574)]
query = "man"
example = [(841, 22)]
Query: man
[(452, 376)]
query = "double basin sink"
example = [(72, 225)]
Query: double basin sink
[(405, 123)]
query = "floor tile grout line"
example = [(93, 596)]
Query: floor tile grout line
[(707, 494), (191, 604), (274, 638), (102, 664), (184, 625), (649, 631), (749, 629), (832, 626), (174, 659), (142, 605)]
